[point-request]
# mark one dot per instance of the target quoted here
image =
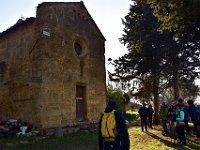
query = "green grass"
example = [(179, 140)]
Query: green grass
[(77, 141), (152, 140)]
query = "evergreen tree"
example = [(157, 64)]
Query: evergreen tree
[(145, 51), (181, 18)]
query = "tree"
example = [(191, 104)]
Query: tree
[(145, 51), (181, 18), (121, 99), (161, 58), (188, 89), (177, 15)]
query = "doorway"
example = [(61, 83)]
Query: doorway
[(80, 103)]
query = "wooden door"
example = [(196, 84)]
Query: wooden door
[(80, 103)]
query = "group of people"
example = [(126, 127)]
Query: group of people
[(176, 118), (113, 135), (146, 116)]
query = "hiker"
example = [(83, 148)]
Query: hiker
[(143, 112), (180, 125), (172, 113), (150, 116), (120, 138), (187, 117), (172, 120), (186, 113), (193, 115), (163, 113)]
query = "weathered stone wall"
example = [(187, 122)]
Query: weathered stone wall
[(43, 88), (16, 90), (62, 69)]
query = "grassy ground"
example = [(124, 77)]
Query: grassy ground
[(79, 141), (151, 140), (88, 140), (154, 140)]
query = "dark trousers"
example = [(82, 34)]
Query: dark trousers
[(196, 129), (144, 123), (150, 121), (118, 144), (181, 134), (187, 129), (164, 125)]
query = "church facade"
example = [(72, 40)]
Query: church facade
[(52, 67)]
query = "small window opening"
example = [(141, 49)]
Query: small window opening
[(77, 48)]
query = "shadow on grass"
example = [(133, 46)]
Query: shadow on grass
[(189, 146), (193, 141)]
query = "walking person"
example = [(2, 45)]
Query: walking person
[(113, 132), (143, 112), (193, 115), (186, 113), (180, 125), (150, 116), (172, 121), (187, 117), (163, 113)]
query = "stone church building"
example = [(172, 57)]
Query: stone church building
[(52, 67)]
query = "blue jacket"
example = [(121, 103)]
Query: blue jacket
[(180, 116), (193, 113), (122, 140)]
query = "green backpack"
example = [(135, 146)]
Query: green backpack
[(108, 126)]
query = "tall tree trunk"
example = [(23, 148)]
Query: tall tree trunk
[(156, 98), (175, 85)]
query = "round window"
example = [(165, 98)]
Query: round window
[(77, 48)]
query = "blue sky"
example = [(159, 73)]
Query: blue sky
[(106, 13)]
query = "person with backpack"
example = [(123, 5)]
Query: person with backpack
[(186, 113), (143, 112), (113, 132), (172, 120), (180, 125), (193, 115), (187, 117), (163, 113)]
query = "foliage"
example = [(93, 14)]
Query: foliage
[(131, 117), (153, 55), (177, 15), (144, 50), (181, 18), (188, 89), (121, 98)]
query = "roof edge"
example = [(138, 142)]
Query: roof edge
[(19, 24)]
